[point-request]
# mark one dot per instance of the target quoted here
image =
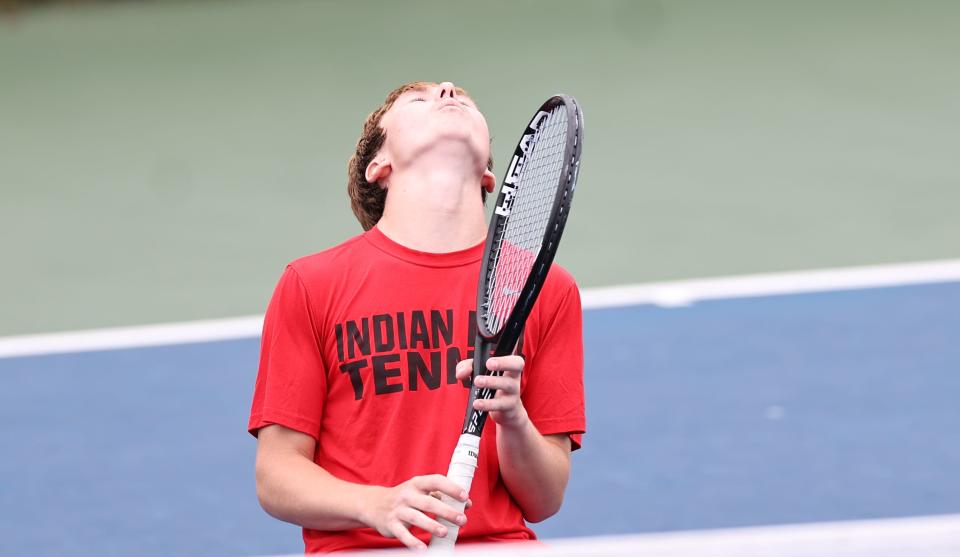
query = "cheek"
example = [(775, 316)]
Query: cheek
[(402, 132)]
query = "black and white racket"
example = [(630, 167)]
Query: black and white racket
[(524, 232)]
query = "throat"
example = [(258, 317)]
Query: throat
[(436, 213)]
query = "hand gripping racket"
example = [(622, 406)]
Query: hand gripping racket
[(524, 232)]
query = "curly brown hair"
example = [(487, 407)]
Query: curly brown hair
[(367, 199)]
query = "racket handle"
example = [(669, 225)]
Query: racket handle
[(462, 467)]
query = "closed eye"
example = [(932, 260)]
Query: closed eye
[(423, 99)]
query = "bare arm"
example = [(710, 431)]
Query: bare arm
[(535, 468), (293, 488)]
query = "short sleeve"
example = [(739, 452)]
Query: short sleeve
[(553, 371), (291, 380)]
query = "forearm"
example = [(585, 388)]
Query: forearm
[(534, 468), (294, 489)]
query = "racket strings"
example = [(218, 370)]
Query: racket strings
[(522, 234)]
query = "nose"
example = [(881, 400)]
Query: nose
[(447, 89)]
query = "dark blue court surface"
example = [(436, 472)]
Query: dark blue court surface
[(757, 411)]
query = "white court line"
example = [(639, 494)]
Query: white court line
[(131, 337), (665, 294), (685, 292), (924, 536)]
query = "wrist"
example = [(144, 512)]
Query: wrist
[(518, 425), (367, 504)]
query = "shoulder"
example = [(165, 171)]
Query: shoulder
[(320, 265), (559, 282), (560, 295), (560, 276)]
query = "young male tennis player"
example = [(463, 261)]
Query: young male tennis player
[(360, 394)]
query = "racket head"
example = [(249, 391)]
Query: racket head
[(528, 219)]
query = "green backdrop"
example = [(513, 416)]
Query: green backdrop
[(161, 161)]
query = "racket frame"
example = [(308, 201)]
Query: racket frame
[(503, 342), (463, 464)]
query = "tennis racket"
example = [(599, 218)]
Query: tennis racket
[(522, 240)]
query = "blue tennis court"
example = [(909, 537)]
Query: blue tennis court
[(769, 410), (160, 163)]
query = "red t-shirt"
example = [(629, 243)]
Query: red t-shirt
[(359, 347)]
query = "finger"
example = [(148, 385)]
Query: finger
[(439, 508), (504, 384), (496, 404), (508, 364), (443, 484), (416, 518), (400, 532), (464, 369)]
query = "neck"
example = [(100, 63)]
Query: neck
[(435, 209)]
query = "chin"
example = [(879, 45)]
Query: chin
[(460, 133), (456, 137)]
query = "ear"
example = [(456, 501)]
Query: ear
[(378, 169), (488, 181)]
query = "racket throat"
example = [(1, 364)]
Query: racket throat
[(474, 421)]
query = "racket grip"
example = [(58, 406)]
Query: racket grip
[(462, 467)]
